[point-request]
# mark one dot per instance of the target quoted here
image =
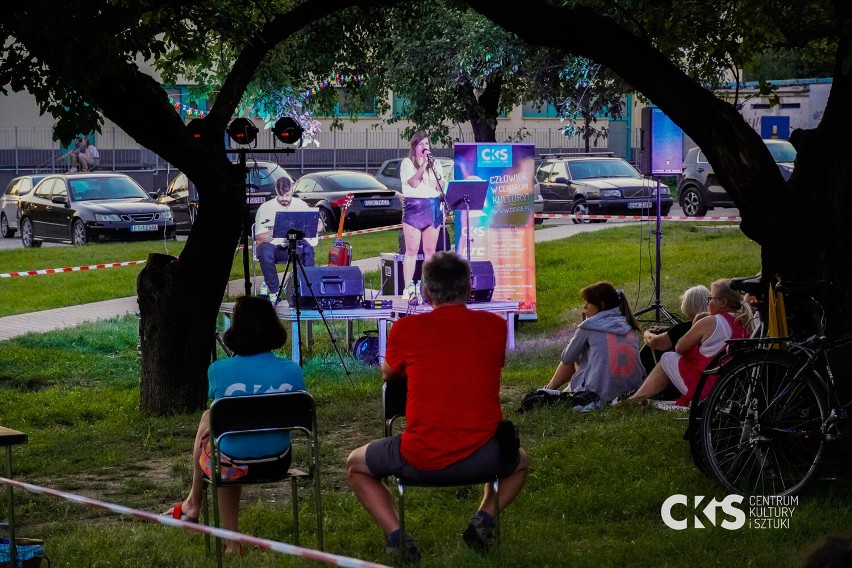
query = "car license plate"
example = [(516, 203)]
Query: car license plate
[(140, 228), (640, 205), (255, 200), (376, 202)]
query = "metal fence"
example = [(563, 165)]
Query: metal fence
[(32, 149)]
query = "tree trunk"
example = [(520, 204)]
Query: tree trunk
[(179, 300)]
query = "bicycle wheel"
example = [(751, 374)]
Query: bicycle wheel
[(762, 425)]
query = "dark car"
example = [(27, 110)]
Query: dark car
[(699, 190), (84, 207), (182, 198), (597, 185), (9, 211), (373, 204)]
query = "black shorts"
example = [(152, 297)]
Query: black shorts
[(422, 212), (384, 458)]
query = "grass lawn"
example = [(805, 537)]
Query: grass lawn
[(593, 497)]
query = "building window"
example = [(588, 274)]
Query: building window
[(538, 110)]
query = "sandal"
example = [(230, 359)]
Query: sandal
[(176, 512)]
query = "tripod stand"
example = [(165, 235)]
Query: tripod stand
[(299, 276), (658, 309)]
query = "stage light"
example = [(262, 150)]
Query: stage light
[(242, 131), (287, 130), (196, 128)]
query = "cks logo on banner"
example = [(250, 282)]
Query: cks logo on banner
[(494, 156), (761, 512), (677, 518)]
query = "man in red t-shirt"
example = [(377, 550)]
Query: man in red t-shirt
[(452, 358)]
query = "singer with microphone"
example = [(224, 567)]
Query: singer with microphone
[(422, 189)]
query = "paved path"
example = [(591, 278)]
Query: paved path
[(49, 320)]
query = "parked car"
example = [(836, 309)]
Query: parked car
[(10, 213), (597, 185), (83, 207), (388, 172), (182, 197), (373, 205), (699, 190)]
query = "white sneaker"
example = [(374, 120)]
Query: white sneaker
[(72, 171), (410, 293)]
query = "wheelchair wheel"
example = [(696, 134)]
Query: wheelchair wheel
[(762, 425)]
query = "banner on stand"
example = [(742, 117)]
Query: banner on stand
[(503, 231)]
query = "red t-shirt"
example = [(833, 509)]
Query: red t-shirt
[(452, 357)]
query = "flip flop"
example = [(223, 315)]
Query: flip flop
[(176, 512)]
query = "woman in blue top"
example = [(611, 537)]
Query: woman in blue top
[(255, 331), (603, 355)]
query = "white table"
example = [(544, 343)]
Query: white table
[(505, 309), (285, 313)]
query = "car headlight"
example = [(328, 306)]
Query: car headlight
[(664, 190), (610, 193), (166, 215), (104, 217)]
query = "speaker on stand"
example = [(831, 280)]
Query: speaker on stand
[(660, 154)]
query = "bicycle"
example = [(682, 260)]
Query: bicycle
[(764, 426)]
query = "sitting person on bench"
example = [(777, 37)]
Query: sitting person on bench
[(452, 358)]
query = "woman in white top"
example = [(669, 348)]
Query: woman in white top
[(422, 189)]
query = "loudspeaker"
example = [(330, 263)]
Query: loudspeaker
[(661, 153), (334, 287), (482, 281)]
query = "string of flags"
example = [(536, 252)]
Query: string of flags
[(336, 81)]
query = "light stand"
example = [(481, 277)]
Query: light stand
[(246, 219), (656, 306)]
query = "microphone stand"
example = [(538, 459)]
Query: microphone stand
[(430, 161)]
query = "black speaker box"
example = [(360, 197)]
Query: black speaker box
[(331, 287), (661, 152), (392, 279), (482, 281)]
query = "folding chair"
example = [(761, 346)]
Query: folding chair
[(394, 398), (235, 416)]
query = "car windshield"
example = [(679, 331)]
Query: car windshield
[(90, 189), (590, 169), (782, 151), (356, 181)]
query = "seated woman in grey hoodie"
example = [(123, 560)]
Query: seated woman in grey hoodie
[(603, 355)]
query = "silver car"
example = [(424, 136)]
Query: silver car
[(10, 213)]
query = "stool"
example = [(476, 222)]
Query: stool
[(9, 438)]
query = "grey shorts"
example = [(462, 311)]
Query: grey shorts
[(422, 212), (384, 459)]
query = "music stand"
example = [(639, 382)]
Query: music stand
[(303, 221), (464, 195)]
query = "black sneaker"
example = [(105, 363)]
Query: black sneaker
[(407, 551), (478, 535)]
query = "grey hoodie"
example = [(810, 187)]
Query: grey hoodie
[(606, 350)]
